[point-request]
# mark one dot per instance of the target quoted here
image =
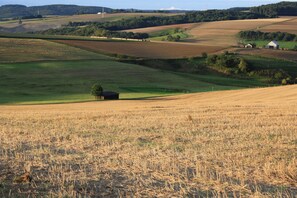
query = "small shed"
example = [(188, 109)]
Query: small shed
[(110, 95), (249, 45), (272, 45)]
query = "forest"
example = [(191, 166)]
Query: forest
[(279, 9)]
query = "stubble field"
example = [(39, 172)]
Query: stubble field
[(144, 49), (24, 50), (223, 33), (289, 26), (49, 22), (160, 28), (219, 144)]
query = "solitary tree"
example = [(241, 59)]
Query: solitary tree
[(243, 66), (97, 91)]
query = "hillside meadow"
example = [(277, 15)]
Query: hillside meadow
[(220, 144), (71, 81)]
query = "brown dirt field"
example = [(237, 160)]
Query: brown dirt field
[(219, 144), (289, 26), (144, 49), (160, 28), (58, 21), (286, 55), (223, 33)]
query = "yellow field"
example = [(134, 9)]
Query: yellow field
[(223, 33), (219, 144), (285, 26)]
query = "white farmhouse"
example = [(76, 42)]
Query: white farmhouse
[(272, 45)]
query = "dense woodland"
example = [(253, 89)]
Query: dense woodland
[(278, 9), (258, 35)]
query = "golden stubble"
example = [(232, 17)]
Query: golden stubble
[(219, 144)]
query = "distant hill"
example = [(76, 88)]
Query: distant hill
[(284, 8), (239, 9), (13, 11)]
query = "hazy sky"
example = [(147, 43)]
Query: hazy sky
[(149, 4)]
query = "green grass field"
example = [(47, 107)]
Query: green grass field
[(282, 44), (70, 81), (162, 35), (269, 63)]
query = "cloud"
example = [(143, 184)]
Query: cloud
[(170, 8)]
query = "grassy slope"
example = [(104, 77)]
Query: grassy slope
[(162, 35), (69, 81), (270, 63)]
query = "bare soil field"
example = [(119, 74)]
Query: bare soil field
[(144, 49), (164, 27), (219, 144), (25, 50), (281, 54), (57, 21), (285, 26), (223, 33)]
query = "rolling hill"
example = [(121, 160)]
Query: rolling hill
[(15, 11)]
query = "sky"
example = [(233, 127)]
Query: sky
[(152, 4)]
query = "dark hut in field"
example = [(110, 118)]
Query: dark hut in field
[(109, 95)]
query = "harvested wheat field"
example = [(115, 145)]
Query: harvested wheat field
[(218, 144), (144, 49), (289, 26), (22, 50), (30, 25), (164, 27), (280, 54), (223, 33)]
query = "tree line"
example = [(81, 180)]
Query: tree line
[(112, 28), (93, 31), (258, 35), (191, 17), (278, 9)]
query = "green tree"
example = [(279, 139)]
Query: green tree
[(204, 55), (96, 90), (243, 66)]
